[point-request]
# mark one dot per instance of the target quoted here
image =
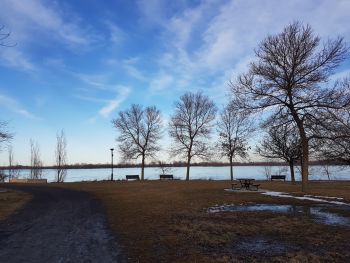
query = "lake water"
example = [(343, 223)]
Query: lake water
[(197, 172)]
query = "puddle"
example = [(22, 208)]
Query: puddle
[(262, 246), (316, 213)]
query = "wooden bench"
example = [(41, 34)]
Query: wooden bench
[(166, 176), (132, 177), (278, 177), (28, 181)]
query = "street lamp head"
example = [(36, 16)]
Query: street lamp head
[(112, 149)]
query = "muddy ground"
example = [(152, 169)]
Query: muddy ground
[(58, 225)]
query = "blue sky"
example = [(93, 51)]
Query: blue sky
[(77, 63)]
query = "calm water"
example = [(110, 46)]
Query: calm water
[(208, 173)]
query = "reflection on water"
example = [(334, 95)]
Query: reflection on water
[(316, 213)]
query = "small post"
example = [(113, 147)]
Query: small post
[(112, 149)]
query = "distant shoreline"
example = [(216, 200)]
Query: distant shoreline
[(177, 164)]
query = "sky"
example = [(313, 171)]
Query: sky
[(76, 64)]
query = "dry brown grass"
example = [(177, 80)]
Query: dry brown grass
[(167, 221), (10, 201)]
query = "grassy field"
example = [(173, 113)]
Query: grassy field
[(167, 221), (10, 201)]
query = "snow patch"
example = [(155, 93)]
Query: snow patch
[(305, 197)]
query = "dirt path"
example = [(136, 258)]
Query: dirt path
[(58, 225)]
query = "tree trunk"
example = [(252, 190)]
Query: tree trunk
[(231, 168), (143, 168), (188, 167), (291, 166), (304, 165)]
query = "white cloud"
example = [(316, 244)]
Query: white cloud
[(214, 38), (97, 80), (161, 82), (13, 57), (116, 34), (112, 105), (40, 23), (16, 107), (130, 67), (27, 18)]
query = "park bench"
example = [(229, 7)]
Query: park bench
[(166, 176), (132, 177), (278, 177)]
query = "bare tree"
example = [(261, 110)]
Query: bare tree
[(35, 160), (139, 132), (190, 126), (234, 130), (335, 146), (289, 82), (164, 167), (5, 135), (4, 36), (10, 155), (12, 171), (282, 142), (61, 156)]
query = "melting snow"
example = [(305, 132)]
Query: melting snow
[(305, 197)]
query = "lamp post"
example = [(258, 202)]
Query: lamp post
[(112, 149)]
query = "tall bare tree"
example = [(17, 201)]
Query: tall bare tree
[(335, 145), (139, 132), (190, 126), (10, 155), (282, 142), (5, 135), (35, 160), (4, 35), (234, 130), (61, 156), (289, 81)]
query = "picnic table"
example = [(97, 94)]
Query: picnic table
[(246, 182)]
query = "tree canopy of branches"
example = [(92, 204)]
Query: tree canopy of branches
[(61, 156), (4, 36), (282, 142), (234, 129), (289, 81), (336, 143), (35, 161), (139, 131), (190, 126), (5, 135)]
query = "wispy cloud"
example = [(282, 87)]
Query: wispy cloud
[(112, 105), (29, 17), (96, 80), (35, 23), (161, 81), (213, 40), (13, 105), (13, 57), (116, 34), (130, 66)]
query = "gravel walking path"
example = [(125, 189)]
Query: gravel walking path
[(58, 225)]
